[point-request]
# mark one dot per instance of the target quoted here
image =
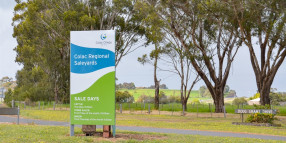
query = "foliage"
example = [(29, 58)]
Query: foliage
[(42, 30), (226, 89), (239, 101), (123, 97), (162, 86), (256, 95), (146, 99), (8, 97), (275, 98), (262, 106), (196, 101), (204, 92), (126, 85), (262, 28), (231, 93), (260, 118), (174, 99)]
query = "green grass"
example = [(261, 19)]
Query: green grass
[(55, 134), (193, 108), (204, 122), (49, 115), (169, 92)]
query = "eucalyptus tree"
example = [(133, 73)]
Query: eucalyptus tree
[(168, 49), (263, 31), (42, 29), (208, 33), (179, 62)]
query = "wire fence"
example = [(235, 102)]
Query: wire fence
[(197, 109)]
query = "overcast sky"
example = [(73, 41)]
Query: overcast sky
[(241, 77)]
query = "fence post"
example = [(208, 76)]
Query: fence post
[(18, 117), (129, 108), (224, 112), (211, 111), (39, 105), (197, 111), (141, 107), (120, 108), (149, 108), (13, 103), (159, 109), (55, 105), (172, 108), (183, 110), (24, 105)]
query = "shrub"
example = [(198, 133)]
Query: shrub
[(262, 106), (261, 118), (124, 97), (257, 95), (146, 99), (8, 97), (196, 101), (238, 101), (174, 99)]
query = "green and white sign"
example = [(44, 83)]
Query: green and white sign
[(92, 77)]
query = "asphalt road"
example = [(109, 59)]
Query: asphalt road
[(10, 119)]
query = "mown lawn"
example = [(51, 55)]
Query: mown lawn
[(204, 122), (55, 134)]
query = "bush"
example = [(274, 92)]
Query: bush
[(262, 106), (196, 101), (261, 118), (238, 101), (8, 97), (124, 97), (145, 99), (257, 95), (174, 99)]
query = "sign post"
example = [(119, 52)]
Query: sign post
[(92, 78)]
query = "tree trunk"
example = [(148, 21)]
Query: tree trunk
[(264, 95), (157, 85), (219, 100), (157, 95), (184, 104), (56, 93)]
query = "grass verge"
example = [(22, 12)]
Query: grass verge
[(52, 134), (172, 122)]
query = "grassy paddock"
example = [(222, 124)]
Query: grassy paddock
[(204, 122), (52, 134), (150, 92), (201, 108)]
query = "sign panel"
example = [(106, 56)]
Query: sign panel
[(252, 111), (92, 77)]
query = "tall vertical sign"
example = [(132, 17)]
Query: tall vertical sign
[(92, 77)]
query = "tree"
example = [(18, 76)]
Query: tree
[(42, 30), (178, 59), (238, 101), (155, 36), (262, 25), (123, 97), (207, 31), (226, 89), (153, 60)]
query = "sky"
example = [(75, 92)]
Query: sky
[(241, 78)]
